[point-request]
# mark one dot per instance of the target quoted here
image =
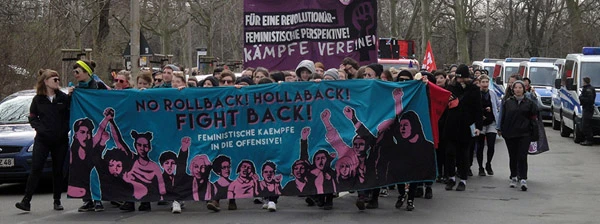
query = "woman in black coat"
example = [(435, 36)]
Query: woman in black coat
[(49, 116), (518, 126)]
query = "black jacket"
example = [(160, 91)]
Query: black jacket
[(587, 97), (467, 112), (50, 119), (519, 119)]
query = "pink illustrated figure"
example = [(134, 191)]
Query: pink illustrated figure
[(202, 188), (245, 186), (145, 175)]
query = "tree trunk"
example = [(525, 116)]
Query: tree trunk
[(425, 25), (505, 50), (462, 49), (577, 38), (394, 18)]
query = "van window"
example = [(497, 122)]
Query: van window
[(541, 76), (590, 69), (567, 72), (509, 71)]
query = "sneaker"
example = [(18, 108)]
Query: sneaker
[(98, 207), (482, 172), (428, 193), (360, 204), (524, 185), (265, 205), (176, 209), (213, 205), (450, 184), (271, 206), (23, 205), (400, 201), (587, 143), (232, 205), (461, 186), (87, 206), (128, 206), (383, 193), (488, 168), (145, 207), (258, 201), (58, 206), (411, 206), (513, 182)]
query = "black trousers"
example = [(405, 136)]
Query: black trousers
[(457, 158), (586, 120), (481, 142), (441, 159), (58, 152), (517, 156), (411, 191)]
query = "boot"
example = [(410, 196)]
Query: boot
[(25, 204), (488, 168), (57, 205)]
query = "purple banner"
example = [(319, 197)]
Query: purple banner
[(279, 34)]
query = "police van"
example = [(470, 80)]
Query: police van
[(487, 64), (541, 72), (504, 69), (577, 66)]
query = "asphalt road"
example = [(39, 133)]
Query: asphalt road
[(564, 187)]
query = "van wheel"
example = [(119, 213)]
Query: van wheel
[(555, 122), (564, 130), (577, 132)]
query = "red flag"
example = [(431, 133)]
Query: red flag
[(438, 101), (429, 61)]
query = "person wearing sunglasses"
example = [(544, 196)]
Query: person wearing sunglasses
[(227, 78), (83, 71), (122, 80), (49, 117), (158, 80)]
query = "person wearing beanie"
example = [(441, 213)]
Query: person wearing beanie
[(331, 74), (405, 75), (458, 131), (518, 127), (378, 68), (305, 69)]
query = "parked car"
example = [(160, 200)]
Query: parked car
[(16, 138)]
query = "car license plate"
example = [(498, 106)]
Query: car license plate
[(7, 162)]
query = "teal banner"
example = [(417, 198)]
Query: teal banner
[(301, 138)]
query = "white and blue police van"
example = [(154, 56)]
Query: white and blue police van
[(504, 69), (569, 111), (487, 64), (541, 72)]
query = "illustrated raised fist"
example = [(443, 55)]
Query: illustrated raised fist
[(185, 143), (326, 115), (305, 132), (349, 112), (109, 113)]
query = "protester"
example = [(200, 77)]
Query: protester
[(192, 81), (167, 75), (587, 99), (178, 81), (508, 92), (122, 80), (83, 71), (227, 78), (158, 80), (462, 124), (290, 76), (305, 70), (350, 66), (144, 80), (342, 74), (260, 73), (518, 127), (319, 68), (209, 82), (49, 117), (248, 72), (331, 74), (217, 72), (491, 110)]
